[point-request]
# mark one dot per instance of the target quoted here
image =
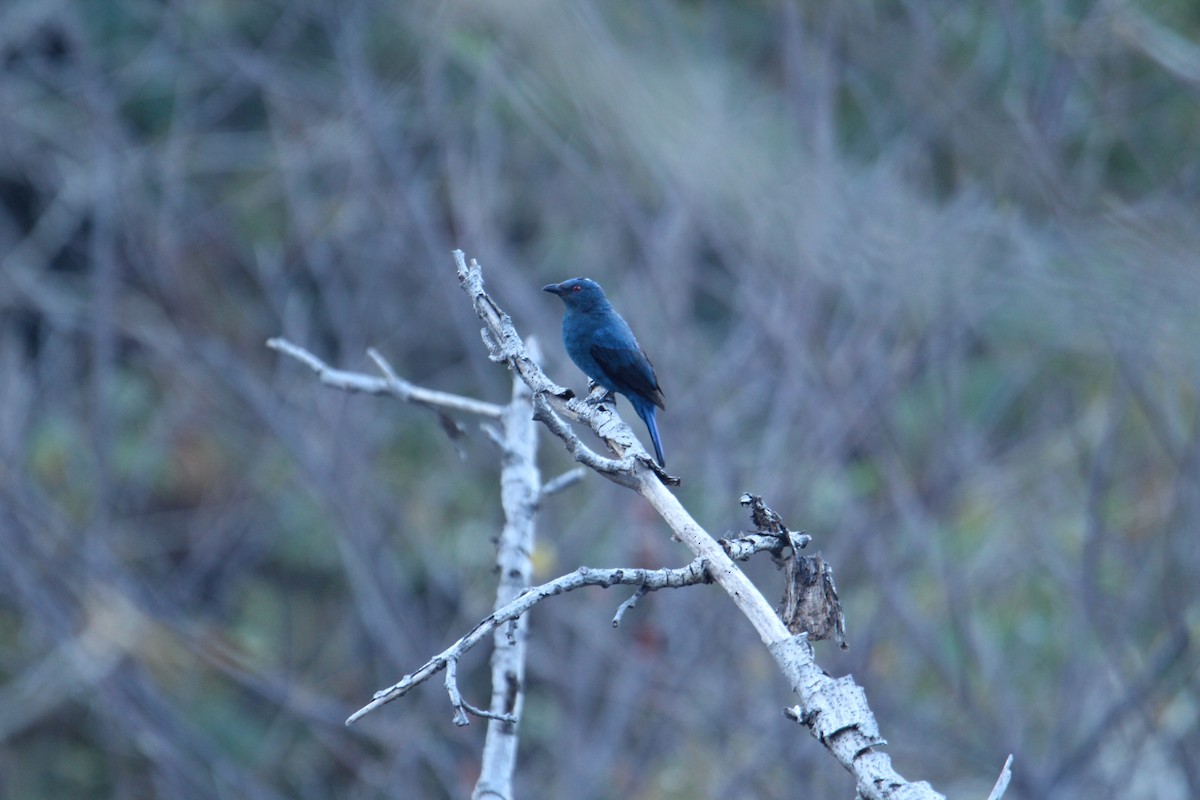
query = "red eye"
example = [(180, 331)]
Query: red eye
[(576, 288)]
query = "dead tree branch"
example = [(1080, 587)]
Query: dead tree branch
[(390, 383), (520, 493), (650, 580)]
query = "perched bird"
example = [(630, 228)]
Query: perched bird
[(602, 345)]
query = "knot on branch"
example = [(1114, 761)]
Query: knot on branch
[(810, 601)]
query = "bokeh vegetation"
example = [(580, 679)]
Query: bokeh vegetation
[(924, 275)]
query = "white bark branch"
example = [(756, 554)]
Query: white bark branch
[(388, 384), (520, 493), (584, 576)]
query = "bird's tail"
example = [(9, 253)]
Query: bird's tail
[(646, 412)]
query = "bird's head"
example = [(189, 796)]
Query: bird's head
[(578, 293)]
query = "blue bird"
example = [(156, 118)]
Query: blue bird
[(602, 345)]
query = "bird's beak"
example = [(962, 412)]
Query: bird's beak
[(553, 288)]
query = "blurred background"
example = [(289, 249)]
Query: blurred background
[(922, 274)]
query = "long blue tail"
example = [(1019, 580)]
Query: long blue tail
[(646, 411)]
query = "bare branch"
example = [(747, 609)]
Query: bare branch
[(389, 384), (520, 494), (516, 436), (651, 579), (567, 479), (628, 604), (752, 542)]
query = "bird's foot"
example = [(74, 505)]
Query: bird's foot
[(597, 394), (664, 476)]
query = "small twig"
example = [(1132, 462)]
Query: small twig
[(748, 544), (456, 701), (1002, 782), (462, 707), (628, 604), (567, 479), (494, 435), (693, 573), (651, 579)]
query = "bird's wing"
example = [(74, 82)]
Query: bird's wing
[(630, 371)]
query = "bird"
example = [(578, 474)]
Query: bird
[(601, 344)]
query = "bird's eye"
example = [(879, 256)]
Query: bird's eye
[(576, 288)]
